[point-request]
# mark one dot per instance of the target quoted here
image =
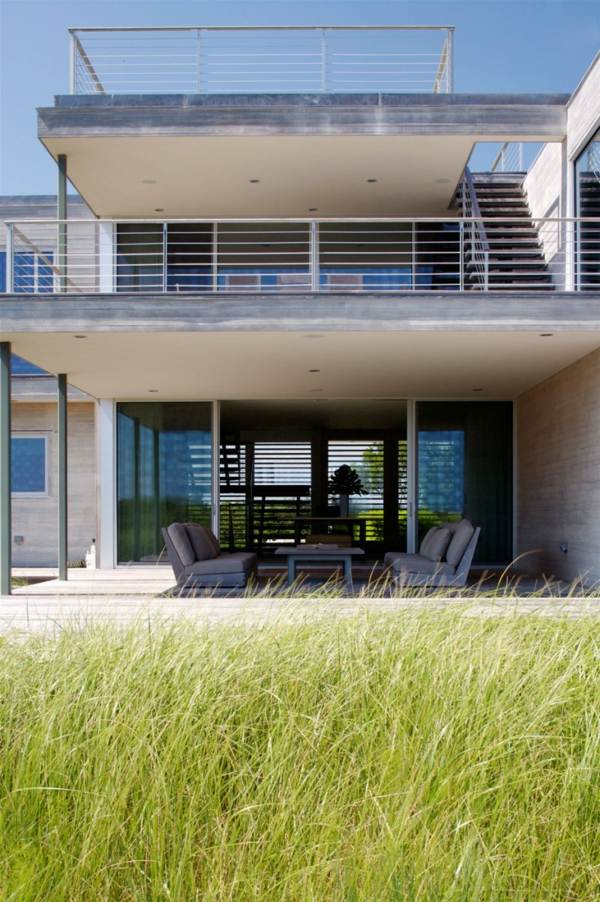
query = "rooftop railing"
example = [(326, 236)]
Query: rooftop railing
[(290, 256), (258, 60)]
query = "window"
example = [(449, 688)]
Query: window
[(29, 465), (587, 205), (22, 367)]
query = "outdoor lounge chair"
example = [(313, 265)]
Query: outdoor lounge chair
[(444, 558), (198, 562)]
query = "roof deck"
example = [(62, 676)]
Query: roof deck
[(262, 60)]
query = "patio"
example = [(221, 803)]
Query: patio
[(128, 595)]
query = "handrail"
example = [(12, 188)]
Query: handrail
[(250, 59), (479, 239), (391, 254)]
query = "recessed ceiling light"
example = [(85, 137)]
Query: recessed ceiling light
[(148, 181), (476, 389), (313, 335), (314, 371), (316, 389), (80, 336), (254, 181), (546, 334), (371, 181), (313, 209), (152, 390), (159, 209)]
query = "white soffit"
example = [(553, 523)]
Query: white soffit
[(210, 177), (230, 365)]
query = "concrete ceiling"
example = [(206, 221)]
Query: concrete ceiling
[(210, 177), (270, 365)]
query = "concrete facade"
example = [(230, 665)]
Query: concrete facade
[(558, 472)]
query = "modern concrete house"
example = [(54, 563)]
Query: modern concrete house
[(291, 266)]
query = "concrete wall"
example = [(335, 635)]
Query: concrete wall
[(544, 181), (35, 518), (558, 472), (583, 110)]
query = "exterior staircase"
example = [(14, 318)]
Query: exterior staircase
[(588, 258), (515, 258)]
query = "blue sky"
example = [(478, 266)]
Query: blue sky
[(513, 45)]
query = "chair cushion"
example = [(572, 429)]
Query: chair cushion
[(416, 563), (180, 539), (437, 543), (212, 537), (463, 532), (237, 562), (427, 540), (201, 542)]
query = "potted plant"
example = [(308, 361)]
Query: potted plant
[(344, 482)]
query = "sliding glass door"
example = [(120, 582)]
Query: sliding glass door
[(464, 469), (164, 472)]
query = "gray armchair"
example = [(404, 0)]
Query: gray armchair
[(444, 558), (198, 562)]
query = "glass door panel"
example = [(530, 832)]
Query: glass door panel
[(163, 473)]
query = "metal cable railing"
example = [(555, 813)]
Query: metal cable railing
[(300, 256), (509, 158), (254, 60)]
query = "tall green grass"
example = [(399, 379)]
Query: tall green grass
[(413, 756)]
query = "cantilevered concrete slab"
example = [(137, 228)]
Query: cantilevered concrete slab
[(185, 347), (283, 155)]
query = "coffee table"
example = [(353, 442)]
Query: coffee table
[(334, 554)]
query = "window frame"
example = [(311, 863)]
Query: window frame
[(44, 437)]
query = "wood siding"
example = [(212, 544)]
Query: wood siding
[(35, 518)]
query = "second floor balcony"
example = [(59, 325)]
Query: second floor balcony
[(470, 253)]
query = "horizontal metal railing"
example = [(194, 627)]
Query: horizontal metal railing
[(299, 255), (259, 59)]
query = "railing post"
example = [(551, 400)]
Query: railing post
[(314, 256), (10, 258), (62, 224), (165, 238), (215, 257), (72, 63), (199, 63), (323, 61), (461, 253), (486, 270), (413, 265), (450, 61)]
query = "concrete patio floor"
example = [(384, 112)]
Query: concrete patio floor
[(133, 594)]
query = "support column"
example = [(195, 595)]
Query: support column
[(107, 484), (63, 530), (5, 506), (61, 214)]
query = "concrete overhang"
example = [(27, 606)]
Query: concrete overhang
[(190, 347), (195, 155)]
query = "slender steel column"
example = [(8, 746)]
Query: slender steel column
[(5, 512), (61, 215), (63, 530)]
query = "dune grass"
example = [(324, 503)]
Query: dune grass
[(422, 755)]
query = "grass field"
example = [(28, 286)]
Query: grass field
[(413, 756)]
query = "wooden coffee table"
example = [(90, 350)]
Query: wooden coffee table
[(330, 554)]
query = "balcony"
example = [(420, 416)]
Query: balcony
[(300, 256), (261, 60)]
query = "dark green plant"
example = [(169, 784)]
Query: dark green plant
[(346, 481)]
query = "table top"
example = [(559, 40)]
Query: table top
[(332, 519), (321, 550)]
